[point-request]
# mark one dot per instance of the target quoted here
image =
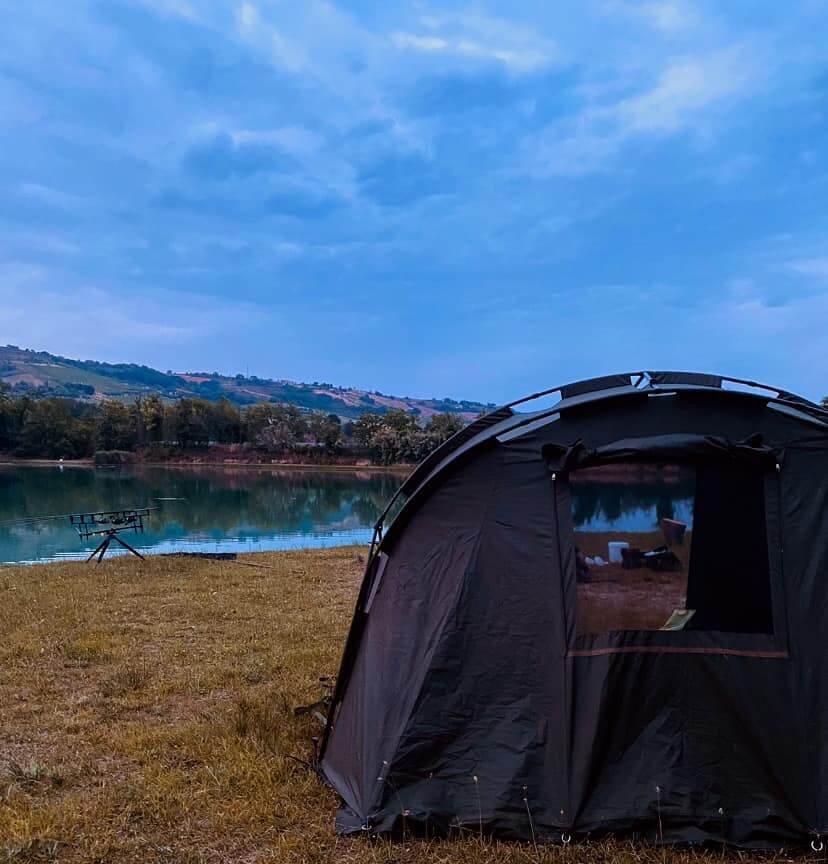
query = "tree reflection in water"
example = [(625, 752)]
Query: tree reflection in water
[(641, 500), (276, 508)]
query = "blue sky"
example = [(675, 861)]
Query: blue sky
[(473, 200)]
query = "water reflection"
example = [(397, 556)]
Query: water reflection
[(598, 505), (208, 509)]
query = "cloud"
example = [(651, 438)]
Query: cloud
[(302, 203), (816, 268), (421, 43), (222, 158), (40, 312), (451, 94), (48, 195), (399, 180), (37, 242), (519, 49), (668, 16), (686, 87), (685, 98), (236, 159), (290, 139), (172, 8), (254, 27)]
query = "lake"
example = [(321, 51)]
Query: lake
[(201, 509), (224, 509)]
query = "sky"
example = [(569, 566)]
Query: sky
[(473, 200)]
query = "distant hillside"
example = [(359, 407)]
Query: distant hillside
[(42, 374)]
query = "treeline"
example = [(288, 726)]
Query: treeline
[(60, 428)]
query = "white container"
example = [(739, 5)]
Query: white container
[(614, 547)]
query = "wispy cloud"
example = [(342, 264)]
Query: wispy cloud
[(177, 8), (814, 267), (291, 139), (519, 49), (688, 94), (156, 324), (263, 33), (47, 194), (685, 89), (667, 16)]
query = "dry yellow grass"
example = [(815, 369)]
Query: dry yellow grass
[(146, 716)]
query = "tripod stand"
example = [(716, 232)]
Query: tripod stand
[(108, 524), (104, 545)]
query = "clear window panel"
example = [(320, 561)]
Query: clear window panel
[(633, 538), (671, 547)]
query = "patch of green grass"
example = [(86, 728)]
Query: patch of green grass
[(33, 849), (87, 650), (126, 680), (33, 774)]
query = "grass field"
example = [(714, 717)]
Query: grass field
[(146, 715)]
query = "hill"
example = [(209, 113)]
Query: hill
[(40, 373)]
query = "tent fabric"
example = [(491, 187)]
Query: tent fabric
[(448, 447), (593, 384), (660, 447), (467, 699), (686, 378)]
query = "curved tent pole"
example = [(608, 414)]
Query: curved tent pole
[(639, 376), (642, 377)]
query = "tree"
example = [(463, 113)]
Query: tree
[(189, 423), (402, 422), (366, 427), (115, 426), (274, 427), (395, 436), (443, 426), (325, 429), (150, 414), (10, 418), (224, 422), (57, 428)]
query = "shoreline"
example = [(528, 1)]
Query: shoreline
[(401, 468)]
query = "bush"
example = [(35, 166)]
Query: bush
[(158, 453), (113, 457)]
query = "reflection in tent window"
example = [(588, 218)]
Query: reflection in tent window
[(671, 547)]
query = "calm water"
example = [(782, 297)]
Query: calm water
[(631, 506), (214, 509)]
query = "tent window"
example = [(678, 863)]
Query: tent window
[(671, 547)]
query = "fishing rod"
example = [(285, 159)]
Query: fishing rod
[(23, 520)]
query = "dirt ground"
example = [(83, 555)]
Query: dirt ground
[(619, 599), (146, 715)]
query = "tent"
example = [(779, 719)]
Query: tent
[(668, 681)]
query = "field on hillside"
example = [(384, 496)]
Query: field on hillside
[(45, 374), (146, 715)]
